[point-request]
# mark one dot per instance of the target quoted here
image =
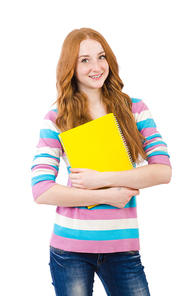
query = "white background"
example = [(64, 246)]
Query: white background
[(155, 45)]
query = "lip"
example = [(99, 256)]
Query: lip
[(96, 77)]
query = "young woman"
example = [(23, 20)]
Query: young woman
[(103, 239)]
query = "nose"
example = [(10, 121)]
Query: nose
[(95, 66)]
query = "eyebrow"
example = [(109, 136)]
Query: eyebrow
[(86, 56)]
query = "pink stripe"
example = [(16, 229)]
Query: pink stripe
[(159, 159), (81, 246), (41, 187), (51, 115), (52, 143), (139, 107), (47, 167), (85, 214), (69, 184), (146, 132)]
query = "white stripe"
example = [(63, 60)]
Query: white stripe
[(48, 124), (40, 172), (142, 116), (56, 152), (95, 224), (164, 149), (66, 160), (45, 160)]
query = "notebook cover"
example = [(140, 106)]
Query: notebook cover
[(97, 145)]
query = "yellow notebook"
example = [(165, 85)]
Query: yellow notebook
[(97, 145)]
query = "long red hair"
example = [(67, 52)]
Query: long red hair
[(72, 104)]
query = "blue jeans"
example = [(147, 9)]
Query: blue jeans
[(122, 273)]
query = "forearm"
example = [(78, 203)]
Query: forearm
[(139, 178), (63, 196)]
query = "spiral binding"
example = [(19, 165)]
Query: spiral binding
[(123, 141)]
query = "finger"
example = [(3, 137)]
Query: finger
[(132, 191), (77, 185), (135, 192), (73, 176), (77, 170)]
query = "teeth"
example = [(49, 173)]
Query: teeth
[(96, 76)]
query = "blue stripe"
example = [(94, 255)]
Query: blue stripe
[(155, 144), (55, 110), (147, 123), (131, 204), (68, 169), (41, 178), (153, 136), (53, 166), (96, 235), (158, 153), (135, 100), (45, 155), (49, 134)]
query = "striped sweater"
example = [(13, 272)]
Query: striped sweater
[(102, 229)]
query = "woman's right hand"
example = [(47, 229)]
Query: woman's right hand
[(119, 196)]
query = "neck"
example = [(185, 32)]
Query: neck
[(94, 97), (96, 106), (95, 103)]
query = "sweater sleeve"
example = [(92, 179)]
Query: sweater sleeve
[(47, 156), (154, 146)]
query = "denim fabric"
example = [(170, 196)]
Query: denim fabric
[(122, 274)]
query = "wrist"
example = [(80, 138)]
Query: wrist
[(101, 195), (106, 179), (95, 196), (109, 179)]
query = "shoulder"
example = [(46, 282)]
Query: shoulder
[(138, 106), (51, 115), (141, 113), (49, 121), (49, 128)]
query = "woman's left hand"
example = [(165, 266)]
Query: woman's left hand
[(85, 178)]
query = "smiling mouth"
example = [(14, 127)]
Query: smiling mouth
[(95, 76)]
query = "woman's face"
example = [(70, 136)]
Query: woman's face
[(92, 68)]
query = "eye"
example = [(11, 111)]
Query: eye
[(102, 57), (84, 61)]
